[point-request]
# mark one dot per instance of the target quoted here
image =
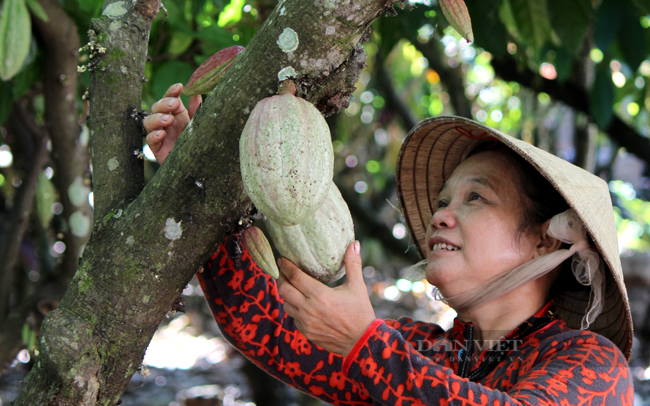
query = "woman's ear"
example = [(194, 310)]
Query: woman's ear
[(546, 243)]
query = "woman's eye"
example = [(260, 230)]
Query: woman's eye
[(442, 203), (475, 196)]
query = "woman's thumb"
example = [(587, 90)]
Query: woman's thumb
[(353, 268)]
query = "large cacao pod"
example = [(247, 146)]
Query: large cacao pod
[(318, 244), (286, 158)]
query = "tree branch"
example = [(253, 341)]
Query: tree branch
[(69, 149), (575, 97), (139, 259), (23, 202), (119, 46)]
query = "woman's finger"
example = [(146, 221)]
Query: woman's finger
[(167, 105), (304, 283), (290, 309), (154, 140), (174, 90), (289, 293), (194, 103), (157, 121)]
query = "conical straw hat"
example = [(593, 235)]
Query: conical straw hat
[(436, 146)]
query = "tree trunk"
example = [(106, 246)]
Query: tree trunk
[(142, 254)]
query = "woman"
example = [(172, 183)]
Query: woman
[(494, 234)]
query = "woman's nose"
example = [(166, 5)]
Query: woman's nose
[(444, 217)]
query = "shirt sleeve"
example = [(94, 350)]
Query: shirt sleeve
[(245, 303), (577, 367)]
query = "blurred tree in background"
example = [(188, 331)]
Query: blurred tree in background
[(570, 76)]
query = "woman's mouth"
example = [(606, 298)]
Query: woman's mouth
[(442, 246)]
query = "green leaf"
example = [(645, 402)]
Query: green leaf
[(169, 73), (570, 21), (601, 98), (632, 38), (29, 75), (231, 14), (197, 6), (37, 10), (608, 22), (643, 6), (180, 42), (531, 21), (45, 194), (15, 35), (489, 31), (6, 100)]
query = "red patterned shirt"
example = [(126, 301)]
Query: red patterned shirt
[(406, 362)]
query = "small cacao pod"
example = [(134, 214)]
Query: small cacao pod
[(260, 250), (318, 244), (286, 158), (458, 17), (205, 77)]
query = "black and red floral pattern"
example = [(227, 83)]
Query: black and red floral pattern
[(405, 362)]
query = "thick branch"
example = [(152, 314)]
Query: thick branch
[(119, 47), (575, 97), (69, 149), (140, 258)]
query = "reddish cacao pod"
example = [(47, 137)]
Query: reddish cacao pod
[(205, 77)]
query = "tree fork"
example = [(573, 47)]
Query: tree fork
[(141, 255)]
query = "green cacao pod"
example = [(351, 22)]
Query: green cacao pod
[(318, 244), (260, 250), (286, 158)]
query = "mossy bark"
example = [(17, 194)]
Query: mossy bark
[(142, 253)]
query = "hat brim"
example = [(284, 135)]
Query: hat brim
[(436, 146)]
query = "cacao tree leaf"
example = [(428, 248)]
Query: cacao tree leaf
[(37, 10), (601, 98), (197, 6), (393, 29), (15, 36), (231, 14), (489, 31), (531, 21), (180, 42), (27, 76), (45, 194), (169, 73), (643, 6), (632, 38), (6, 100), (570, 20), (608, 23)]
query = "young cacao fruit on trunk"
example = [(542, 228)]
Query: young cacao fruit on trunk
[(286, 158), (205, 77), (458, 17), (260, 250), (318, 244)]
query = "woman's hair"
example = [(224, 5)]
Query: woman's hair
[(539, 199)]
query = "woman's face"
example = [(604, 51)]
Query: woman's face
[(478, 215)]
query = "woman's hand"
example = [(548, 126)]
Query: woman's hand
[(168, 120), (333, 318)]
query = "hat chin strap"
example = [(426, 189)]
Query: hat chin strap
[(586, 266)]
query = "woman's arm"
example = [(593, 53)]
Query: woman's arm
[(245, 303), (576, 368)]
